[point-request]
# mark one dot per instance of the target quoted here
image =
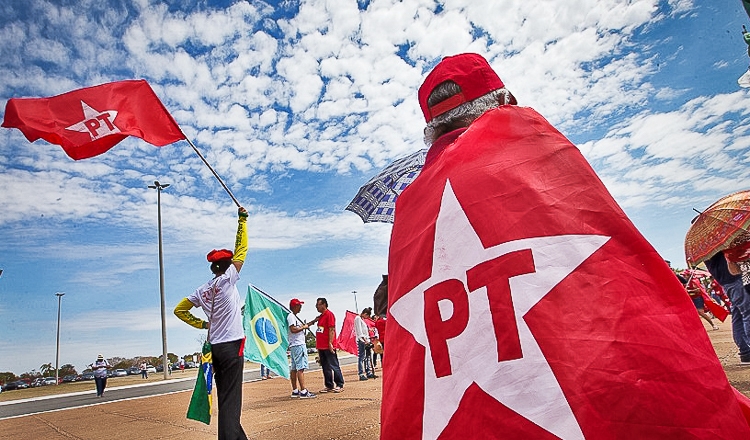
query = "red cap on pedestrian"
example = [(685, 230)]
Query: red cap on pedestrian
[(295, 302), (470, 71)]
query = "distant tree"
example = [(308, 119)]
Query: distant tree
[(47, 369), (124, 364), (67, 370), (310, 340), (33, 374), (6, 377)]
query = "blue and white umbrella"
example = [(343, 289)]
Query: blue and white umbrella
[(376, 200)]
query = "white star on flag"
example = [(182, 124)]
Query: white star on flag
[(526, 383), (96, 123)]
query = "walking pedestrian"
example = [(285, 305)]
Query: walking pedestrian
[(100, 367)]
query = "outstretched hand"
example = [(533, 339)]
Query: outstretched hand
[(242, 212)]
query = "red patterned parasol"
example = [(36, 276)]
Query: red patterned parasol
[(723, 225)]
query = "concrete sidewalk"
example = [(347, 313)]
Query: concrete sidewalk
[(267, 413)]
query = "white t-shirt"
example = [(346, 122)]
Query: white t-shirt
[(294, 338), (225, 317), (360, 329)]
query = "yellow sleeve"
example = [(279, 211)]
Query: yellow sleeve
[(182, 311), (240, 241)]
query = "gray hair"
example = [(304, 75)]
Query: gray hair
[(464, 114)]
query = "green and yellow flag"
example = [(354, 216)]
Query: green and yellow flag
[(200, 402), (266, 331)]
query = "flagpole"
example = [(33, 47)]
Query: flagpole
[(212, 170)]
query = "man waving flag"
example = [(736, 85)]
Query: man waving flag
[(89, 121), (266, 331)]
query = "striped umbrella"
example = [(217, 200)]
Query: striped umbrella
[(376, 200)]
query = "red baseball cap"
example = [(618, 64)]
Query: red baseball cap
[(221, 254), (470, 71), (295, 302)]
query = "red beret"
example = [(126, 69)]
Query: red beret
[(221, 254)]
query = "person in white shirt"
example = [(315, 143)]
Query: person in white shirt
[(297, 351), (100, 374), (362, 332), (221, 302)]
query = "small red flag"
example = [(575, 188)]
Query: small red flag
[(89, 121), (347, 339), (510, 317)]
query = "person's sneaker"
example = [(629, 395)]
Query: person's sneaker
[(338, 390), (715, 327), (371, 376), (295, 393), (307, 395), (362, 377)]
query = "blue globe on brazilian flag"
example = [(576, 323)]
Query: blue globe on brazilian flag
[(265, 329)]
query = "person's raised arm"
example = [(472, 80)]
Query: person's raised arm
[(240, 241)]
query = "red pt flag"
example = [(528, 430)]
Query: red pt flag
[(510, 317), (89, 121), (347, 339)]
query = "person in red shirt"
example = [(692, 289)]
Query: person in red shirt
[(324, 337), (380, 321)]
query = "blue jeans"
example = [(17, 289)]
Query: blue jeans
[(331, 371), (740, 316), (101, 383), (363, 363), (264, 371)]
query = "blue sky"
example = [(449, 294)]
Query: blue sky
[(298, 103)]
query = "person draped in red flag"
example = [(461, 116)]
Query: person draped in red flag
[(89, 121), (493, 246)]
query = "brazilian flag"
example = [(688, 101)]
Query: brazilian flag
[(266, 331), (200, 402)]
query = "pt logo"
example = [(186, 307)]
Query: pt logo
[(492, 275), (96, 123), (469, 315)]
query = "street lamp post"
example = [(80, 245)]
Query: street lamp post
[(356, 308), (57, 354), (159, 187)]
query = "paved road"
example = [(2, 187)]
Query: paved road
[(25, 407)]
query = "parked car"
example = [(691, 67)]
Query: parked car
[(89, 375), (190, 364), (134, 370), (39, 381), (120, 372), (49, 381), (70, 378), (17, 385), (150, 369)]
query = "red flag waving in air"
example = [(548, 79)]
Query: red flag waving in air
[(89, 121), (510, 314), (347, 339)]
